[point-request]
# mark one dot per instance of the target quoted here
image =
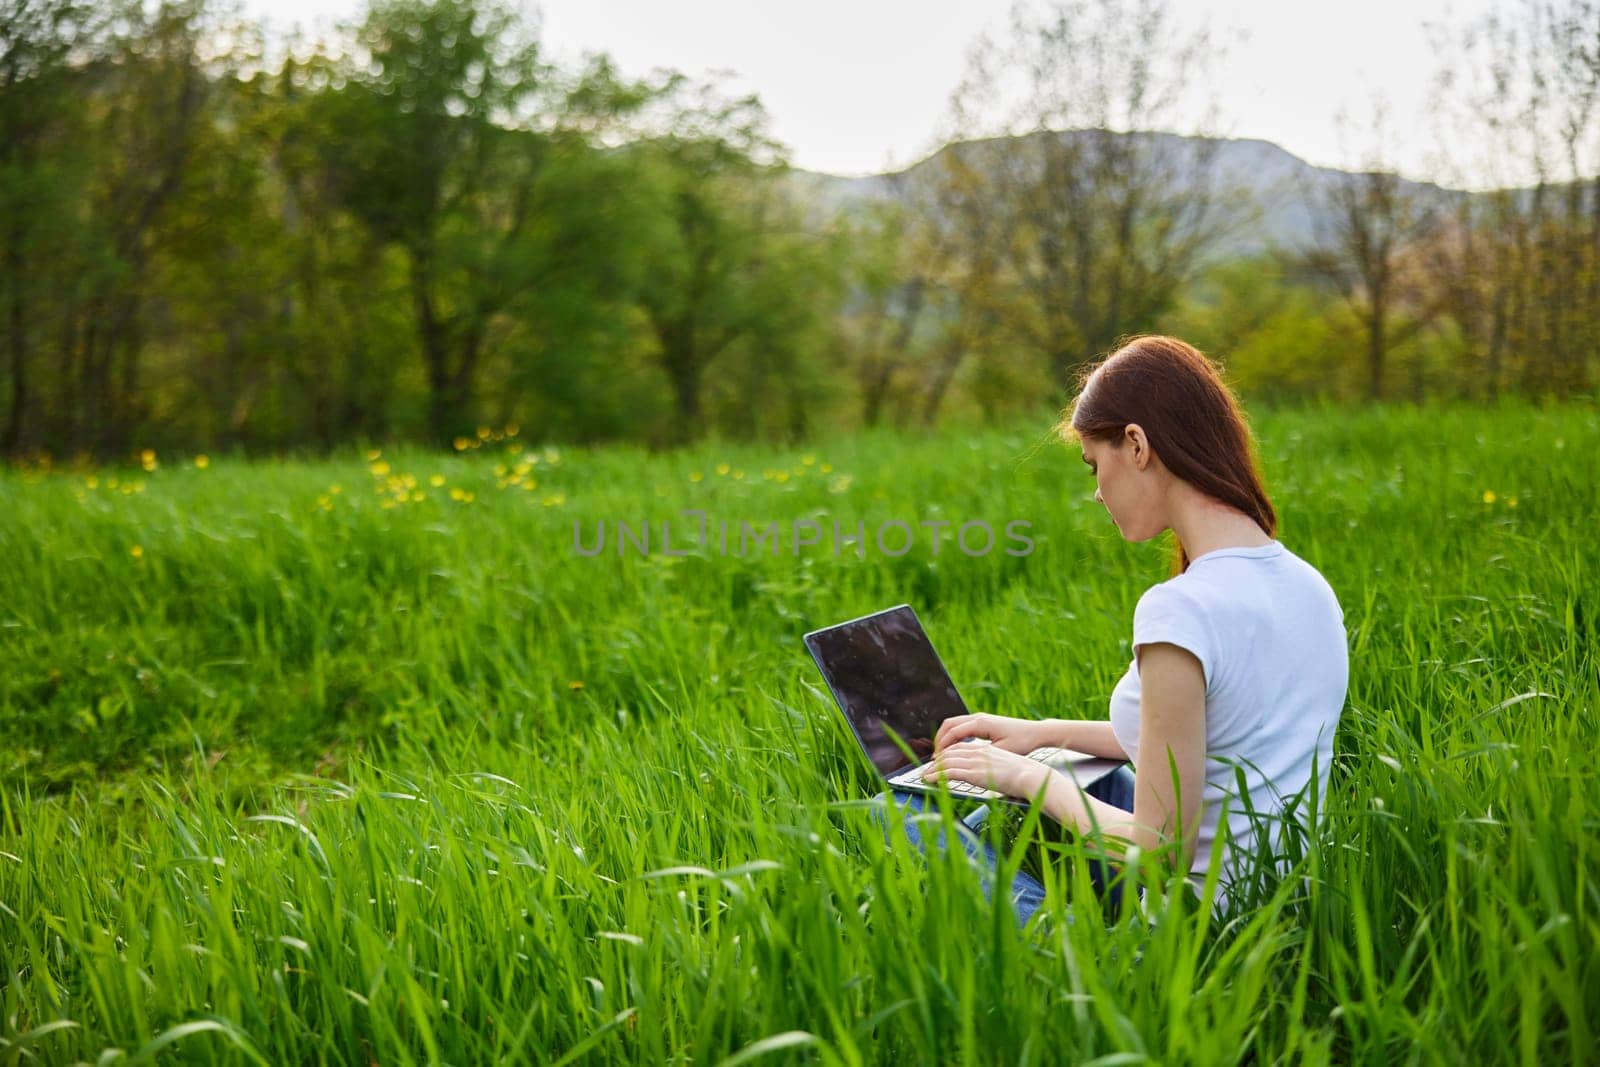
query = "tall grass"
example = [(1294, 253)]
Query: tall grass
[(291, 776)]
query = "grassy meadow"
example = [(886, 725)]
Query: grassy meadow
[(361, 761)]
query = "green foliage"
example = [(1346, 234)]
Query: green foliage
[(1277, 340), (902, 328), (401, 237), (501, 226), (422, 224), (733, 289), (325, 776), (1068, 221)]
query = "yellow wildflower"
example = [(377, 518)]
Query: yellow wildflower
[(372, 456), (380, 469), (202, 461), (574, 686), (137, 551), (696, 476), (461, 444), (1488, 496), (336, 489), (722, 468), (1511, 501), (483, 433), (511, 429), (436, 480), (826, 468), (92, 482), (808, 459)]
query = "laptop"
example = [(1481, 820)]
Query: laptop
[(894, 692)]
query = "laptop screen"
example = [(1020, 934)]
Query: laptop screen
[(886, 676)]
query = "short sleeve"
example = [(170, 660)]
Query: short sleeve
[(1166, 614)]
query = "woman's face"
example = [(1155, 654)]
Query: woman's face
[(1127, 481)]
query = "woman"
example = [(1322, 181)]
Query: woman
[(1240, 663)]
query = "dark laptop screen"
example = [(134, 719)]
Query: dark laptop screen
[(884, 673)]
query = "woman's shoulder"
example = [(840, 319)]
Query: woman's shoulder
[(1234, 583), (1237, 612)]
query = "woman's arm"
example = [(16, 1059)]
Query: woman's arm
[(1024, 735), (1172, 738), (1093, 736)]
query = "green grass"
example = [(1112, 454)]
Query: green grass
[(313, 780)]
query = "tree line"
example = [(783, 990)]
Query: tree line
[(216, 240)]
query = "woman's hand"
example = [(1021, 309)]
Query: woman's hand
[(991, 767), (1013, 735)]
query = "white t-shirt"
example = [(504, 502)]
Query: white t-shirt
[(1269, 634)]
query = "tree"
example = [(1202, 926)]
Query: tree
[(147, 101), (726, 263), (1369, 226), (923, 301), (890, 311), (1520, 265), (40, 113), (451, 142), (1074, 222), (338, 306), (1271, 331), (99, 111)]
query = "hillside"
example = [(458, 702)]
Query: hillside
[(1282, 190)]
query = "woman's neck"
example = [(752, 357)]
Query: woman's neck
[(1203, 524)]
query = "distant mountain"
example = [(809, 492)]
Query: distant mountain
[(1286, 191)]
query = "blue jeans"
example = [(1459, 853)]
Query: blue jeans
[(1027, 892)]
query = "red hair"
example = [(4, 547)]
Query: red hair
[(1190, 417)]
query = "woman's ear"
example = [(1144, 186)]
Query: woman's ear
[(1133, 434)]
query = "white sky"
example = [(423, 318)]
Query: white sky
[(861, 86)]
